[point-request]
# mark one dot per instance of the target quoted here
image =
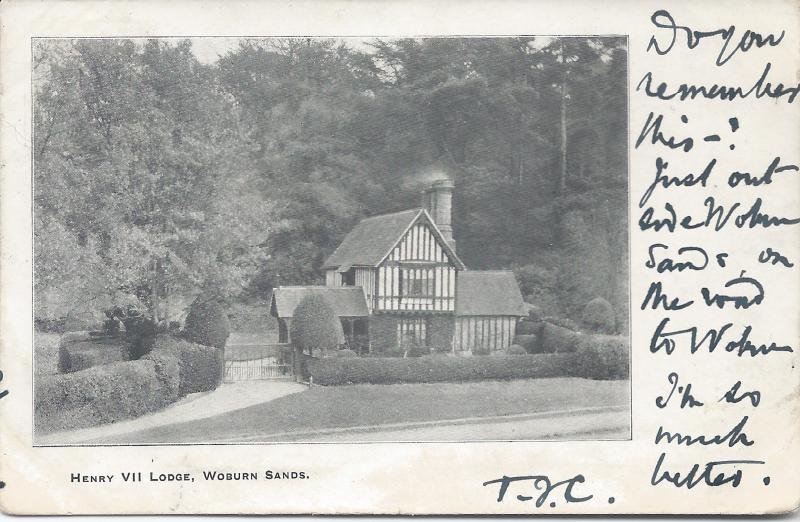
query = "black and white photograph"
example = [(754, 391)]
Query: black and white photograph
[(259, 240)]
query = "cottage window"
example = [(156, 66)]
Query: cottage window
[(416, 283), (349, 278)]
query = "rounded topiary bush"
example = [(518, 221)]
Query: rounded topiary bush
[(598, 316), (207, 323), (315, 326)]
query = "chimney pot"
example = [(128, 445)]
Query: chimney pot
[(437, 199)]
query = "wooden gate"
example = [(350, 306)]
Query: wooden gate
[(258, 362)]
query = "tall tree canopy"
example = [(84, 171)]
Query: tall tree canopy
[(157, 175)]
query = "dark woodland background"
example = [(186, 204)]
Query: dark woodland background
[(158, 176)]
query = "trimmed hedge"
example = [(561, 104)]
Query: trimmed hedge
[(123, 390), (200, 368), (99, 395), (78, 351), (556, 339), (603, 357), (389, 370)]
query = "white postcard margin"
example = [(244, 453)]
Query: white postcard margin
[(446, 478)]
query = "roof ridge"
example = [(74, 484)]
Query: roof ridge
[(417, 209)]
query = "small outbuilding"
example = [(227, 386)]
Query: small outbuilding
[(347, 302)]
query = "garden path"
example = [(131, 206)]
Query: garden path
[(225, 399)]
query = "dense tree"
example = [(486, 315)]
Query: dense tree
[(158, 177), (138, 169)]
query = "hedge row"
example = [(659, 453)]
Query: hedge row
[(124, 390), (547, 337), (602, 357), (605, 357), (99, 395), (436, 368)]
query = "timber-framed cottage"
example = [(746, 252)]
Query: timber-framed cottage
[(396, 280)]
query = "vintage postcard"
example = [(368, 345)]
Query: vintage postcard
[(399, 257)]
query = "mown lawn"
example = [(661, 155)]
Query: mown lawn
[(371, 405)]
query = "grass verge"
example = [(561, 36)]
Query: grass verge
[(373, 405)]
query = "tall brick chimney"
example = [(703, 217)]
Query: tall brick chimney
[(437, 199)]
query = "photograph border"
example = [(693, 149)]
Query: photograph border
[(34, 39)]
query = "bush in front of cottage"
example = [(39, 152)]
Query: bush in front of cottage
[(314, 326)]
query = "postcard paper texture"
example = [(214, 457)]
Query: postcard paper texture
[(399, 257)]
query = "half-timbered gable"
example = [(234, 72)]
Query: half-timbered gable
[(401, 260), (419, 273)]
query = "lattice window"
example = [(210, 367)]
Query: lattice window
[(416, 283)]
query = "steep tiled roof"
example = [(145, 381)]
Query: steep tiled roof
[(371, 239), (488, 292), (345, 301)]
